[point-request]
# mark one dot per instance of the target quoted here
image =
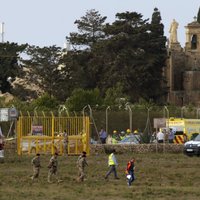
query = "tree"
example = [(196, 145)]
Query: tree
[(135, 54), (44, 68), (158, 56), (81, 98), (131, 52), (90, 29), (125, 50), (74, 65), (85, 58), (198, 16), (45, 102), (9, 66), (115, 96)]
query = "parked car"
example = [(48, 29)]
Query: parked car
[(132, 139), (192, 147)]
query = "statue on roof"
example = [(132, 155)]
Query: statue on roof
[(173, 32)]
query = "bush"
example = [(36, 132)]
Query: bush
[(45, 103), (115, 96), (81, 98)]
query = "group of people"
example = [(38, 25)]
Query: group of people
[(53, 167), (129, 171), (160, 136), (116, 136), (81, 164)]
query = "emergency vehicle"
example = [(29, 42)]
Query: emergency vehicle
[(185, 129)]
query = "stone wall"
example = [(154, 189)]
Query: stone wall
[(10, 147), (141, 148)]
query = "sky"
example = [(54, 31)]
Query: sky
[(48, 22)]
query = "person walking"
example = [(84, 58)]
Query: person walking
[(112, 163), (36, 166), (130, 168), (103, 136), (81, 163), (53, 168)]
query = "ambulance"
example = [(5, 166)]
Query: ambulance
[(185, 129)]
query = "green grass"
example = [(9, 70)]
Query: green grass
[(158, 176)]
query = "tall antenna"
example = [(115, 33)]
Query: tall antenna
[(2, 32)]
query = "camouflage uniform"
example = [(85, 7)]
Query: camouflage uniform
[(53, 166), (36, 166), (81, 163)]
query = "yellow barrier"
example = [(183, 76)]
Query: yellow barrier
[(43, 134)]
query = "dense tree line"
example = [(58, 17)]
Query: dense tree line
[(123, 59), (9, 65)]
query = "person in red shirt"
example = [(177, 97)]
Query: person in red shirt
[(130, 171)]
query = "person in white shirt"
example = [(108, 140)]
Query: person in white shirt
[(160, 137)]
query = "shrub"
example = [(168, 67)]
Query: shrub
[(81, 98), (45, 103)]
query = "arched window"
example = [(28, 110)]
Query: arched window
[(194, 42)]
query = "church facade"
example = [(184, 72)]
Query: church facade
[(183, 68)]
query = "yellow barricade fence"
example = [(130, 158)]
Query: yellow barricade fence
[(43, 134)]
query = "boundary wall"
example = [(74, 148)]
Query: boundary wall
[(138, 148)]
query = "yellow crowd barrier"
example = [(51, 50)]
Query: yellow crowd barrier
[(43, 134)]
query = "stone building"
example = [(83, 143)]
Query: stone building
[(183, 67)]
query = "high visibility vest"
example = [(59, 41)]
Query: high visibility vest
[(122, 137), (110, 160), (114, 141)]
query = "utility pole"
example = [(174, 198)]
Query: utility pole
[(2, 32)]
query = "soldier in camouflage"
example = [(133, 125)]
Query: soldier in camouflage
[(81, 163), (53, 167), (36, 166)]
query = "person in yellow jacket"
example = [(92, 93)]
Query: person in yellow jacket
[(115, 137), (112, 163), (122, 135)]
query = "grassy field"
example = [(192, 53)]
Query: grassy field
[(158, 176)]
